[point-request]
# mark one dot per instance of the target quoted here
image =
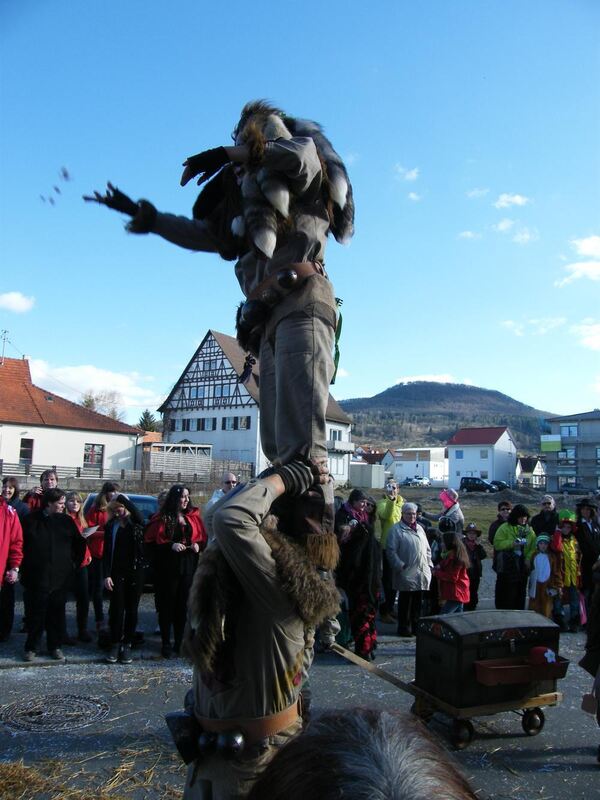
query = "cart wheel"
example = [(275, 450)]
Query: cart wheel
[(462, 733), (421, 709), (533, 721)]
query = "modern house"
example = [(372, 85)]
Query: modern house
[(209, 405), (531, 471), (39, 429), (572, 451), (421, 462), (488, 453)]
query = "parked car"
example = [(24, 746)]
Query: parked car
[(500, 485), (421, 481), (146, 503), (476, 485), (407, 482), (575, 488)]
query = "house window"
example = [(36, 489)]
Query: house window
[(567, 455), (178, 424), (484, 474), (185, 424), (336, 435), (598, 455), (228, 423), (222, 390), (565, 480), (211, 364), (93, 455), (483, 454), (244, 423), (172, 425), (459, 454), (193, 392), (26, 452), (568, 431), (458, 473), (193, 424)]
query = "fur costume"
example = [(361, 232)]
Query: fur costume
[(216, 593), (265, 201)]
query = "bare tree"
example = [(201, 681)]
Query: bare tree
[(106, 401)]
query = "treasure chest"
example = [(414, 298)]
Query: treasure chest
[(484, 657)]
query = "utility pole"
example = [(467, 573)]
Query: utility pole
[(4, 337)]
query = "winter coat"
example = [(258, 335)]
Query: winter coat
[(588, 538), (52, 549), (388, 513), (19, 506), (11, 539), (159, 532), (409, 556), (453, 580), (539, 598), (454, 514), (124, 544), (570, 562), (87, 558), (95, 542), (510, 562), (476, 553), (545, 522)]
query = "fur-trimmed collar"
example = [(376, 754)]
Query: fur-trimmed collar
[(216, 595)]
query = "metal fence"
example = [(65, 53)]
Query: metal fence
[(29, 475)]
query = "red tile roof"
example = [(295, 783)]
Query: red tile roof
[(475, 436), (23, 403)]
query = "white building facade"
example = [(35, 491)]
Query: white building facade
[(418, 462), (210, 405), (488, 453)]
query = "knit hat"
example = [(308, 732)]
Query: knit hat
[(542, 538), (472, 527)]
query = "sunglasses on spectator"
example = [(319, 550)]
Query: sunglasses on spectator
[(233, 483)]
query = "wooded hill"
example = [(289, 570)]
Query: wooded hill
[(428, 413)]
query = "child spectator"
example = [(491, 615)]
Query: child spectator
[(545, 577), (452, 575), (571, 573), (476, 553), (79, 579)]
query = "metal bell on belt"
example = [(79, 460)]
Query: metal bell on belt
[(270, 296), (287, 278), (206, 741), (230, 744)]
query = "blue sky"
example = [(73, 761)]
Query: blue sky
[(471, 131)]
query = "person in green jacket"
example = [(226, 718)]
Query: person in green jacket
[(514, 546), (389, 511)]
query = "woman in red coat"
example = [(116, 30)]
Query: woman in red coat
[(97, 515), (452, 575), (176, 534)]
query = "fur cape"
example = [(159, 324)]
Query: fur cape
[(216, 596), (265, 204)]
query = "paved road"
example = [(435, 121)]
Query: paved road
[(128, 754)]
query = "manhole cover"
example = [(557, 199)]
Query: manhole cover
[(53, 712)]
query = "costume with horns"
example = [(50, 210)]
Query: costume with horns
[(272, 213)]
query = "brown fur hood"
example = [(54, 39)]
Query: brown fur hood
[(216, 595)]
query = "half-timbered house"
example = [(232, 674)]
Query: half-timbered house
[(210, 405)]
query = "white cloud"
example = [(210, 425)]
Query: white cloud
[(469, 235), (342, 373), (533, 327), (414, 197), (589, 246), (404, 174), (72, 382), (17, 302), (442, 378), (589, 334), (514, 327), (504, 225), (477, 192), (506, 200), (526, 235)]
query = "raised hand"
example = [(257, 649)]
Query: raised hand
[(205, 164), (114, 198)]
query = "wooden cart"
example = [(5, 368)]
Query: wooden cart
[(425, 704)]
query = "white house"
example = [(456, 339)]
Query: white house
[(210, 405), (531, 471), (39, 429), (488, 453), (422, 462)]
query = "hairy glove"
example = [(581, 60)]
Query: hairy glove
[(115, 199), (205, 164), (298, 476)]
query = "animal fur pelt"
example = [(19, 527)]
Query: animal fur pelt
[(216, 595)]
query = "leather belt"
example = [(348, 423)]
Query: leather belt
[(253, 728), (285, 280)]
